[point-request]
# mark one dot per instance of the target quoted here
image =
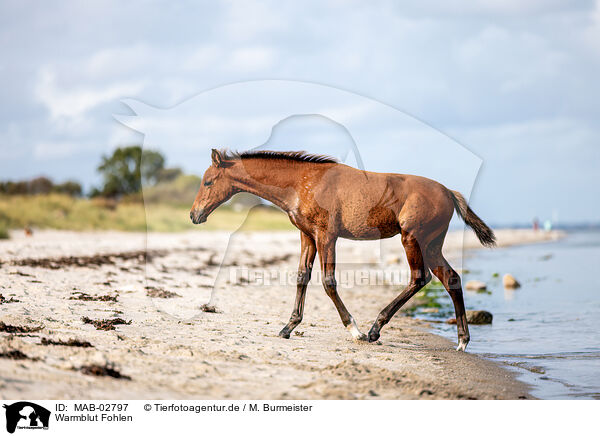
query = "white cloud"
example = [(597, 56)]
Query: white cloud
[(74, 102), (591, 33), (53, 150), (490, 8), (117, 61), (251, 59), (247, 20), (203, 57), (509, 142), (516, 60)]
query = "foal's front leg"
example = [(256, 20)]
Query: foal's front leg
[(326, 251), (307, 256)]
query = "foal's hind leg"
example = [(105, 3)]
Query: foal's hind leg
[(451, 281), (307, 256), (326, 249), (419, 277)]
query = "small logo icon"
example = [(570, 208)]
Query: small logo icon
[(26, 415)]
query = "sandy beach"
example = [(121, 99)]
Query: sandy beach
[(57, 283)]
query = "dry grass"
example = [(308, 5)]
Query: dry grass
[(3, 231), (58, 211)]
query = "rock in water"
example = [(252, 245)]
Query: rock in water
[(475, 285), (510, 282), (479, 317)]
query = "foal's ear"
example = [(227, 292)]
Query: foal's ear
[(218, 161), (216, 157)]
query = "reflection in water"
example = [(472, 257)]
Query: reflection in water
[(509, 294)]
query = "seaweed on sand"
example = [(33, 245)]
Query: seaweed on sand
[(105, 324), (87, 297), (102, 371), (7, 328), (69, 343)]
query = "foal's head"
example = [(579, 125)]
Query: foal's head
[(216, 189)]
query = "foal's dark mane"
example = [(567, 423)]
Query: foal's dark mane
[(298, 156)]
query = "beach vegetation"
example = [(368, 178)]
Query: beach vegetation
[(61, 211)]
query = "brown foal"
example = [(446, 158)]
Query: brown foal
[(327, 200)]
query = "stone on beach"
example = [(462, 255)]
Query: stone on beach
[(510, 282), (475, 317), (475, 285), (479, 317)]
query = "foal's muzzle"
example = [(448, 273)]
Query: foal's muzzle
[(197, 216)]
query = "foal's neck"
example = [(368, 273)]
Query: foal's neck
[(272, 180)]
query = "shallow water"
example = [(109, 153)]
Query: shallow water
[(549, 329)]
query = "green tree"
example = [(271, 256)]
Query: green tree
[(168, 175), (39, 185), (70, 187), (127, 168)]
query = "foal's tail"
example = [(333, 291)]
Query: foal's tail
[(484, 233)]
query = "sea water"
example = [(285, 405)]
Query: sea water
[(548, 330)]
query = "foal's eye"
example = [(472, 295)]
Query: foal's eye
[(208, 183)]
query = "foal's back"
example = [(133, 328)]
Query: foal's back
[(370, 205)]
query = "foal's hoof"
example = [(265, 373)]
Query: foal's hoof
[(373, 336), (284, 334), (462, 343), (361, 338), (462, 346)]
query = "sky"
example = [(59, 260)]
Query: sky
[(515, 83)]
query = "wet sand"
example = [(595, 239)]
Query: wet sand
[(167, 347)]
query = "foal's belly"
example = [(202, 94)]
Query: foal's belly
[(370, 235), (377, 224)]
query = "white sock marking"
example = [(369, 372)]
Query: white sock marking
[(353, 329)]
